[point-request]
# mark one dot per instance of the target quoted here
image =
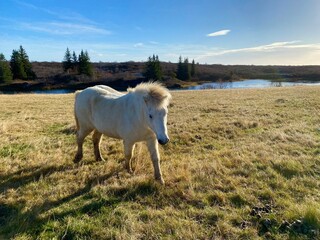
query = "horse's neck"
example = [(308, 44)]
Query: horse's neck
[(134, 104)]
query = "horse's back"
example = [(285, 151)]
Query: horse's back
[(107, 91), (91, 93), (101, 108), (93, 100)]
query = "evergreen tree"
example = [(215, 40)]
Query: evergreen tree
[(153, 69), (17, 67), (183, 70), (20, 65), (193, 69), (5, 71), (26, 64), (180, 69), (81, 62), (67, 61), (186, 68), (74, 61), (84, 64)]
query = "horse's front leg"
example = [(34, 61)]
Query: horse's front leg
[(155, 157), (128, 152)]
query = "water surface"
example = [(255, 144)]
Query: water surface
[(251, 83)]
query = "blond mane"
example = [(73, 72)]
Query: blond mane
[(154, 92)]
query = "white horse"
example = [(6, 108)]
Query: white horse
[(139, 115)]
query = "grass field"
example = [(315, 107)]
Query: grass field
[(241, 164)]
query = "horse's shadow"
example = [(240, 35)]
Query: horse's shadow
[(31, 219), (25, 176)]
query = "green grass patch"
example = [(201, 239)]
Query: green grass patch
[(15, 150)]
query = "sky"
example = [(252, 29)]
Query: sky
[(259, 32)]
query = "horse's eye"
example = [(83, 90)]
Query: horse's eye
[(150, 116)]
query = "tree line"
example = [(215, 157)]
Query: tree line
[(19, 67), (185, 71), (77, 65)]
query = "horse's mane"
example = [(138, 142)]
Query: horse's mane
[(154, 92)]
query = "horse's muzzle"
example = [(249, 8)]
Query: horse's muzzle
[(163, 141)]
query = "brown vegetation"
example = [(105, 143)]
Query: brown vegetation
[(50, 75), (241, 164)]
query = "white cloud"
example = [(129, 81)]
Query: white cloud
[(62, 14), (138, 45), (277, 53), (64, 22), (62, 28), (263, 48), (219, 33)]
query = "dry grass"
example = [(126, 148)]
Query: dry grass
[(240, 162)]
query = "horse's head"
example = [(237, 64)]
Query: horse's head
[(157, 100), (157, 121)]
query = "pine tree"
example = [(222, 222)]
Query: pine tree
[(186, 68), (67, 61), (26, 64), (193, 69), (17, 67), (84, 65), (180, 69), (153, 69), (74, 62), (20, 65), (183, 70), (5, 71)]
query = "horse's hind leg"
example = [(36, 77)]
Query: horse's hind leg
[(96, 138), (128, 152), (81, 135)]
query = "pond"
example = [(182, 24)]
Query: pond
[(252, 83)]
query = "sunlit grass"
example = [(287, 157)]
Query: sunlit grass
[(239, 164)]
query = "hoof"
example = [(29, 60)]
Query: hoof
[(100, 159), (161, 181), (128, 166), (130, 170), (77, 159)]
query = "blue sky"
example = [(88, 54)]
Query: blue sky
[(262, 32)]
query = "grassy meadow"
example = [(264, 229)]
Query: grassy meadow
[(241, 164)]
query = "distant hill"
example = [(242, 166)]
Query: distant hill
[(204, 72), (50, 75)]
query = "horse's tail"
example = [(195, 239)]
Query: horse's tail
[(75, 114)]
